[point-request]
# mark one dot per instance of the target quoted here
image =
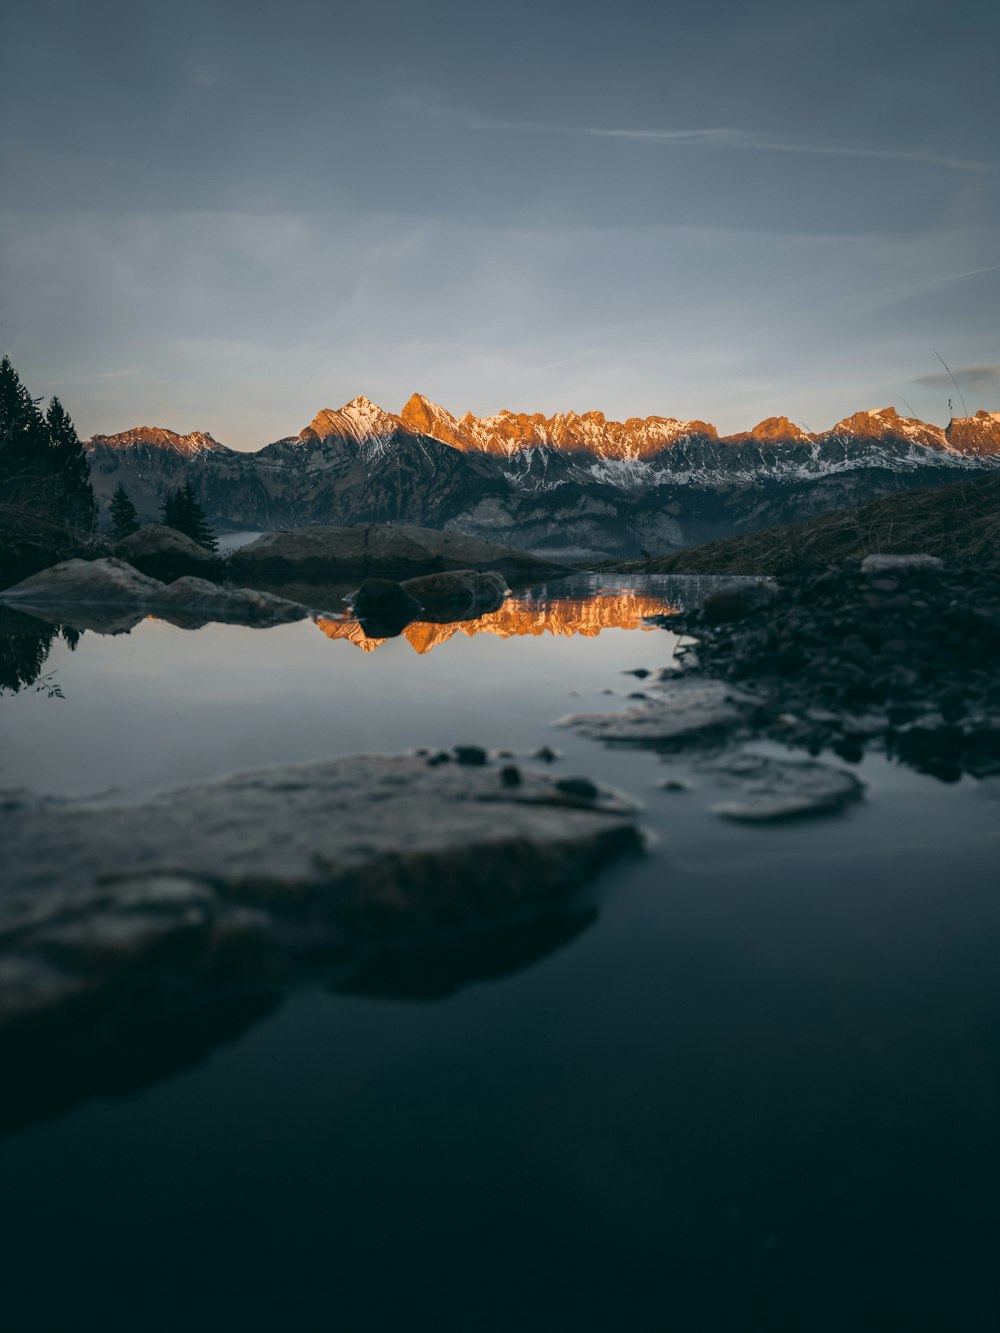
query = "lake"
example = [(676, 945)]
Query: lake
[(748, 1081)]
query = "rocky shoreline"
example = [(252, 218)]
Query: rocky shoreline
[(899, 654)]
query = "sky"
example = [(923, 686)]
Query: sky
[(226, 217)]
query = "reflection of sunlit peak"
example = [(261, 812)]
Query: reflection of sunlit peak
[(563, 618), (350, 630)]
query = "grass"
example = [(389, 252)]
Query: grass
[(31, 538), (960, 522)]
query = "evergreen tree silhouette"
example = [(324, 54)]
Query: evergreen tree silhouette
[(182, 511), (23, 439), (124, 519), (74, 495)]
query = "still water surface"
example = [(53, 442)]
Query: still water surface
[(753, 1084)]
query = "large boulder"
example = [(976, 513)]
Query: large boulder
[(458, 594), (324, 555), (110, 596), (135, 925), (108, 581), (164, 553), (384, 607)]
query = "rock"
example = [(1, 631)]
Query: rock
[(193, 600), (510, 775), (546, 754), (110, 596), (457, 593), (107, 581), (322, 555), (581, 787), (893, 564), (737, 600), (384, 603), (123, 912), (772, 790), (686, 712), (471, 754), (164, 553)]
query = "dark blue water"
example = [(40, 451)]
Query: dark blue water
[(750, 1082)]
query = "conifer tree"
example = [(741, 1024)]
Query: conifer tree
[(23, 438), (124, 519), (74, 495), (182, 511)]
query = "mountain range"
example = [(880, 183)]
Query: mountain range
[(571, 484)]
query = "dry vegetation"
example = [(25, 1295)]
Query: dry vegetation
[(959, 522), (32, 538)]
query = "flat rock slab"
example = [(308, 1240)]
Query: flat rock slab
[(768, 790), (899, 564), (323, 554), (103, 894), (682, 712)]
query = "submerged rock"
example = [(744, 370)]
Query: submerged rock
[(770, 790), (321, 555), (685, 712), (116, 913)]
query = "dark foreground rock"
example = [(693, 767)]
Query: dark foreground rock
[(897, 654), (110, 596), (122, 919), (164, 553), (324, 555)]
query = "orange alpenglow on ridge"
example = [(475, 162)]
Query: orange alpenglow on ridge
[(591, 433), (509, 432), (198, 441), (515, 619)]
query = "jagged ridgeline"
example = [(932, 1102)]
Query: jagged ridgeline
[(564, 484), (47, 505)]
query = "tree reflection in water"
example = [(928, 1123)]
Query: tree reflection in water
[(25, 644)]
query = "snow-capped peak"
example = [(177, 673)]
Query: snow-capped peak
[(360, 420)]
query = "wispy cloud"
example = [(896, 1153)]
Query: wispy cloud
[(744, 140), (973, 377), (954, 277), (566, 361)]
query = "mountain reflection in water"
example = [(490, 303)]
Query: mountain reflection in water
[(533, 615)]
